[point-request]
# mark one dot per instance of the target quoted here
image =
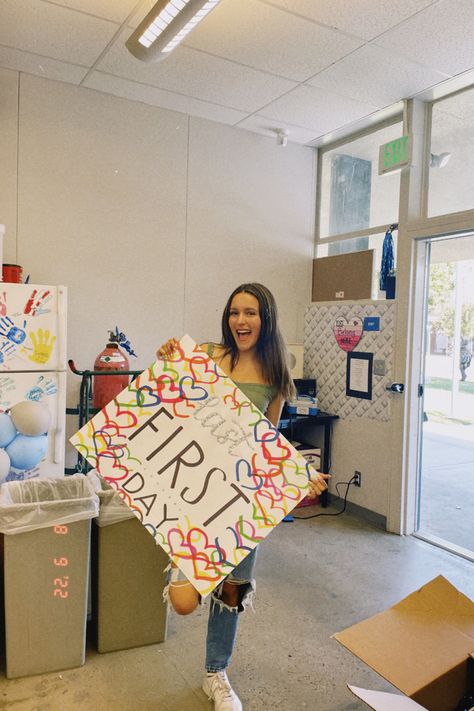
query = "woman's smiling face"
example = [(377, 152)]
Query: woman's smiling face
[(244, 321)]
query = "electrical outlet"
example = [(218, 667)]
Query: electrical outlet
[(357, 479)]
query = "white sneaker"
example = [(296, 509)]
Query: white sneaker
[(216, 685)]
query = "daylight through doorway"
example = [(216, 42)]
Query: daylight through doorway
[(445, 507)]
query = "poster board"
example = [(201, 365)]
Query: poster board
[(343, 276), (384, 701), (200, 466)]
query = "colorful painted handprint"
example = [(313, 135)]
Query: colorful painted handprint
[(43, 344), (35, 306)]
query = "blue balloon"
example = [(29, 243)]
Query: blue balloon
[(4, 465), (26, 452), (7, 429)]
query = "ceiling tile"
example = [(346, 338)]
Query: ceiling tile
[(448, 86), (197, 74), (164, 99), (248, 57), (377, 76), (115, 10), (41, 66), (270, 39), (269, 127), (460, 105), (391, 113), (140, 12), (440, 37), (363, 18), (316, 109), (47, 29)]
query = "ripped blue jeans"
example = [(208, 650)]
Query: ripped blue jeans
[(223, 620)]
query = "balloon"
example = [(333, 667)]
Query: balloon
[(4, 465), (7, 429), (26, 452), (31, 418)]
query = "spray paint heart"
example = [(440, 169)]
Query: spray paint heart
[(348, 333)]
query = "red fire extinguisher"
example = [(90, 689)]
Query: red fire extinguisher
[(111, 359)]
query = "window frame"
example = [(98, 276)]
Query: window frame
[(366, 232), (426, 178)]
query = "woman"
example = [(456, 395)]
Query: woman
[(252, 352)]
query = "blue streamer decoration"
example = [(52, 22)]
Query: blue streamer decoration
[(387, 266)]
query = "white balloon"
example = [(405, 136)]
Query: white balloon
[(31, 418), (7, 429), (4, 465)]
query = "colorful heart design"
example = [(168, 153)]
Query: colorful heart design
[(190, 391), (146, 397), (265, 432), (105, 446), (245, 475), (111, 468), (167, 390), (203, 369), (245, 529), (119, 417), (266, 504), (277, 453), (186, 546), (348, 332)]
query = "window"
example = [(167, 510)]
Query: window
[(353, 197), (451, 155)]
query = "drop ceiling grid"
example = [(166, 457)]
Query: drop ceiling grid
[(242, 65)]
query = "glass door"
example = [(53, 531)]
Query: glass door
[(446, 472)]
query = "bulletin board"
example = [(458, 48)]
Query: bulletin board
[(327, 362), (343, 276)]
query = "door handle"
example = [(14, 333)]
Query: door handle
[(396, 388)]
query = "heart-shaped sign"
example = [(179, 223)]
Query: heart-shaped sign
[(348, 332)]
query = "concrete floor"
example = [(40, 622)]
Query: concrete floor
[(314, 578)]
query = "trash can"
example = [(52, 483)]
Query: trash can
[(47, 525), (128, 577)]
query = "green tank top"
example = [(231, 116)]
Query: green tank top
[(259, 394)]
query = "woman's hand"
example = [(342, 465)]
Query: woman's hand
[(317, 484), (166, 351)]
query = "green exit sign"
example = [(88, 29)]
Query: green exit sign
[(395, 154)]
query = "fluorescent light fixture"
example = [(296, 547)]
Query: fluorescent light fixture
[(165, 26)]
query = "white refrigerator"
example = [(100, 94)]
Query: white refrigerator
[(33, 365)]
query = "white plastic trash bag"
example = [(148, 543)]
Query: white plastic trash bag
[(41, 503), (112, 509)]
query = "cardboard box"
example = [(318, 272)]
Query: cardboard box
[(421, 645), (46, 578)]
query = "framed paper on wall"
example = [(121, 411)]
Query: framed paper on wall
[(359, 375)]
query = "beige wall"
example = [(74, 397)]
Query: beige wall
[(8, 159), (363, 445), (148, 216)]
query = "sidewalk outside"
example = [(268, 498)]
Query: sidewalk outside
[(447, 482)]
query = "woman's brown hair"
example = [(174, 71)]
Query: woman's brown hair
[(271, 350)]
